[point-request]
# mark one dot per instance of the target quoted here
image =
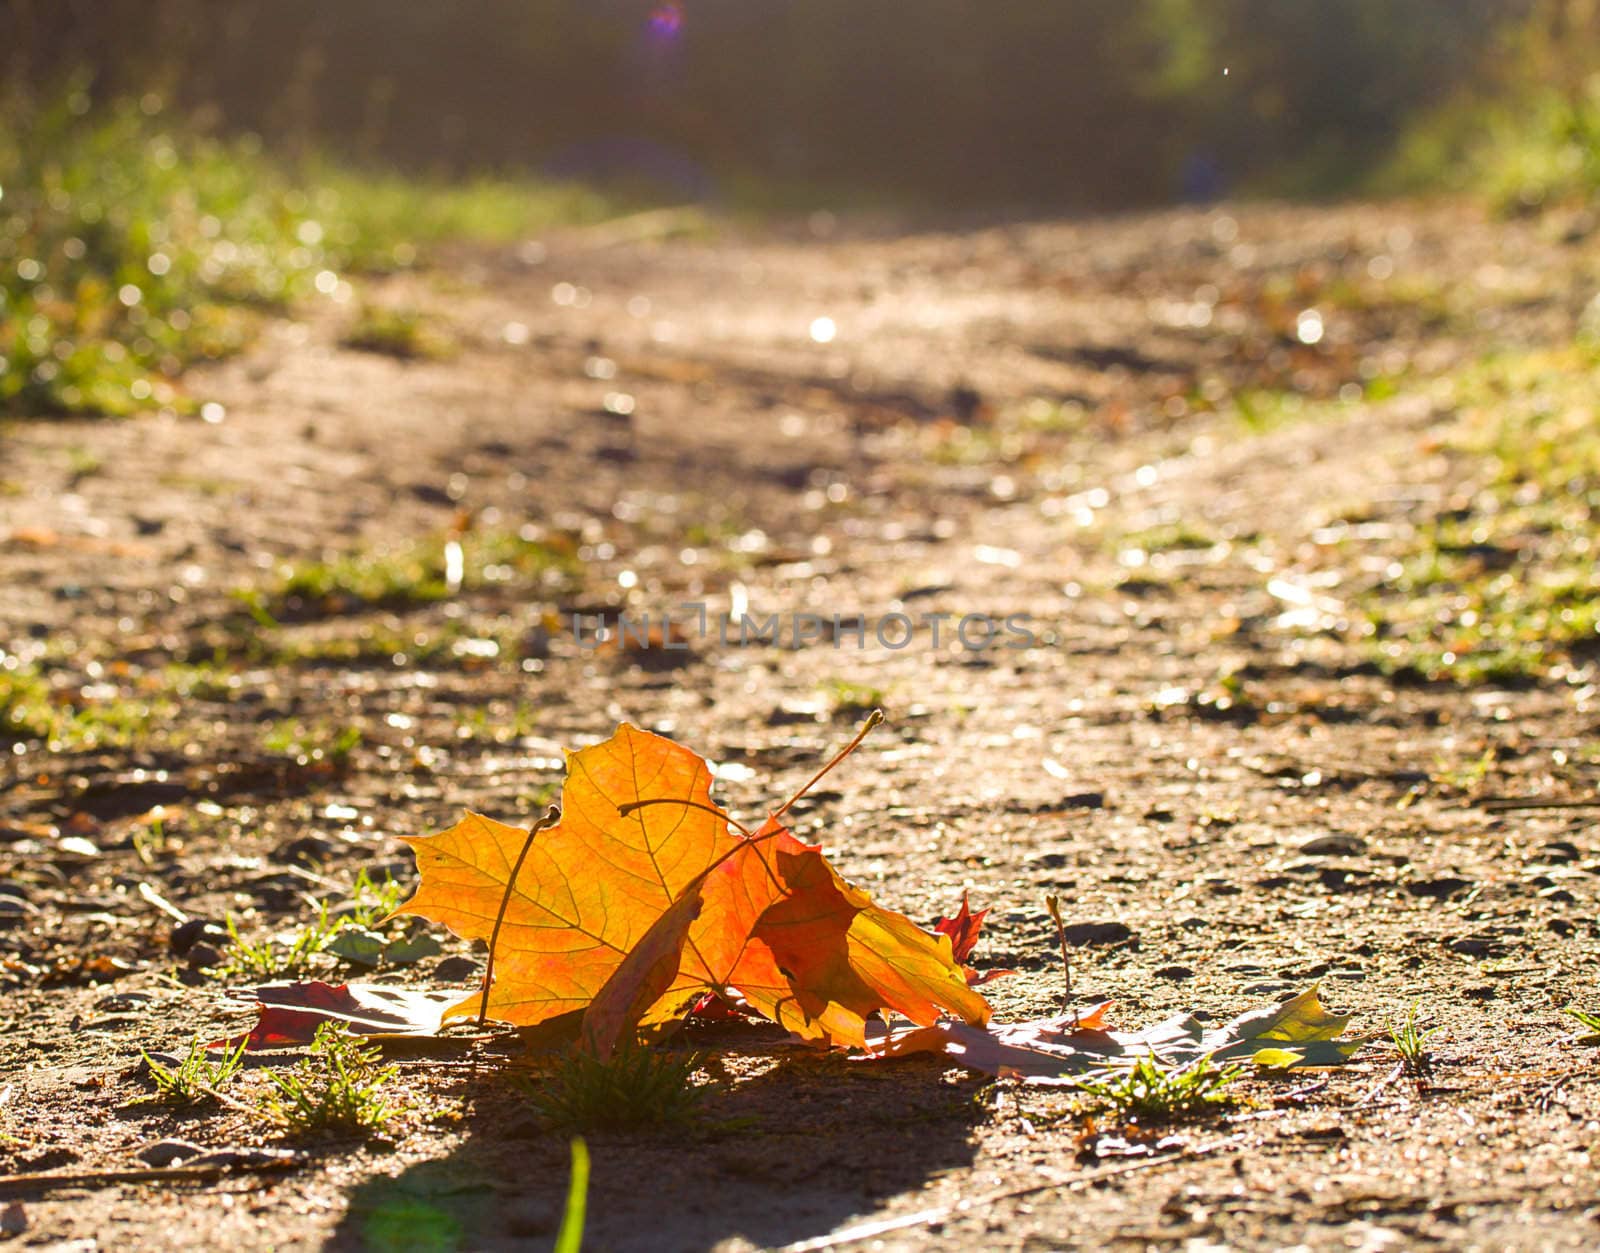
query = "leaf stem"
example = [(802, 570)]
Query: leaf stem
[(873, 719), (1052, 904), (551, 817)]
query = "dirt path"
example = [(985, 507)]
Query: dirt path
[(1028, 422)]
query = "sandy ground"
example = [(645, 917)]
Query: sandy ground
[(843, 421)]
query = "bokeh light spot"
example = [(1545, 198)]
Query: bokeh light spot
[(666, 20)]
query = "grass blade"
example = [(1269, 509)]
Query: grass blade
[(570, 1238)]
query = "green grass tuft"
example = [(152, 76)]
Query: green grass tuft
[(638, 1087), (412, 573), (313, 744), (272, 958), (1411, 1042), (404, 333), (196, 1079), (338, 1089), (1153, 1093)]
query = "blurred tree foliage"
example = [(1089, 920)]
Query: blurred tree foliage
[(1076, 102)]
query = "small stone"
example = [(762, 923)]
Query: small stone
[(13, 1219), (187, 934), (166, 1152), (203, 957), (1097, 933), (1439, 889), (1334, 845), (306, 850), (1174, 972)]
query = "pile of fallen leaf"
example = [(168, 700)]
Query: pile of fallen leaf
[(640, 901)]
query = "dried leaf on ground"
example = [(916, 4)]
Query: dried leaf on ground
[(290, 1013), (1050, 1050), (643, 898)]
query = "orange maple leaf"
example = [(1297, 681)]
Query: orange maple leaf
[(589, 888), (642, 899)]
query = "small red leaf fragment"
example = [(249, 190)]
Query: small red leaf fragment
[(962, 929)]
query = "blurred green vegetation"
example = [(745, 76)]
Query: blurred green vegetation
[(926, 103), (139, 237), (1524, 134), (1505, 586), (131, 245), (1495, 580)]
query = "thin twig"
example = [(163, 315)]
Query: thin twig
[(551, 817), (11, 1184), (1372, 1092), (151, 897), (1054, 906), (1300, 1093), (1509, 804)]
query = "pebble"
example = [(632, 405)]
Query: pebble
[(1335, 845), (166, 1152), (1439, 889), (1096, 933), (187, 934), (203, 957)]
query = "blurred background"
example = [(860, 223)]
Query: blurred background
[(169, 166), (935, 103)]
